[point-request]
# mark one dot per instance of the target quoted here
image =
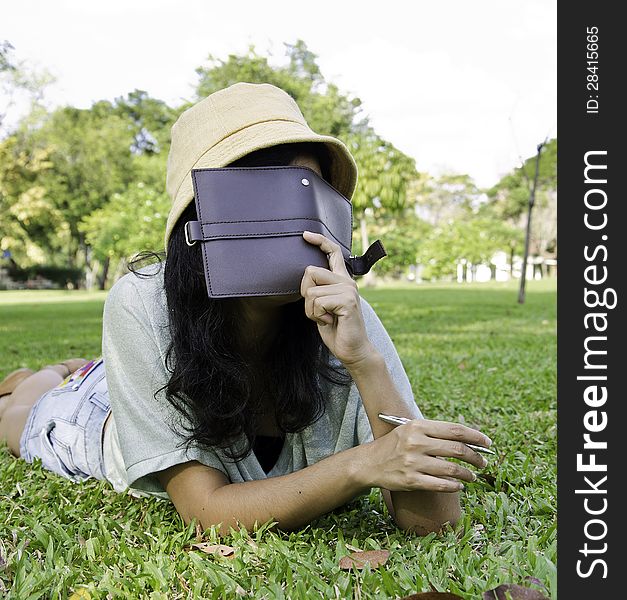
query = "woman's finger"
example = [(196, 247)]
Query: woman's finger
[(319, 276), (459, 450), (330, 289), (444, 468), (314, 292), (436, 484), (337, 304), (445, 430), (331, 249)]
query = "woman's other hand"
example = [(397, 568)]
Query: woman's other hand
[(412, 457), (332, 301)]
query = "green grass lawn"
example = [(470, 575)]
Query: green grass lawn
[(472, 353)]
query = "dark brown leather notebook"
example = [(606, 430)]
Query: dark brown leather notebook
[(250, 227)]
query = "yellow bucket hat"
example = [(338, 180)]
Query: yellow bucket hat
[(234, 122)]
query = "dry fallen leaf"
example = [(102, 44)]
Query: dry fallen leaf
[(516, 592), (80, 594), (216, 549), (375, 558), (432, 596), (461, 366)]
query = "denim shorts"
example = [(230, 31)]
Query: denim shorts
[(65, 426)]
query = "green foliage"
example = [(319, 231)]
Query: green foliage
[(463, 226), (384, 171), (472, 354), (474, 240), (31, 225), (150, 119), (83, 184), (62, 178), (449, 196), (510, 199), (385, 174), (131, 221), (89, 152), (403, 237), (325, 108), (59, 172), (512, 191)]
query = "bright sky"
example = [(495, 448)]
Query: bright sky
[(469, 87)]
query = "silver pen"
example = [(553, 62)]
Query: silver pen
[(394, 420)]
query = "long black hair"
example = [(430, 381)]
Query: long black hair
[(212, 385)]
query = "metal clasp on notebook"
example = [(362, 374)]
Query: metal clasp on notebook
[(187, 234)]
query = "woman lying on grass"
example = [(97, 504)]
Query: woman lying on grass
[(244, 409)]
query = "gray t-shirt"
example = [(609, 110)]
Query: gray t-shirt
[(134, 345)]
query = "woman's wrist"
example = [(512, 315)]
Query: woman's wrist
[(371, 358), (359, 467)]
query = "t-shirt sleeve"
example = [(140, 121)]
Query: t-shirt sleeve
[(382, 341), (134, 356)]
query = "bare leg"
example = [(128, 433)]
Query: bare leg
[(15, 407)]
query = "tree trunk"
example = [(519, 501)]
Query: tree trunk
[(74, 244), (70, 253), (85, 248), (511, 262), (89, 267), (102, 279)]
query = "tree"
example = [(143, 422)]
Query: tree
[(471, 241), (509, 201), (510, 197), (66, 174), (444, 198), (403, 236), (131, 221), (151, 120), (90, 160), (61, 167), (31, 226), (325, 108), (385, 175), (384, 171)]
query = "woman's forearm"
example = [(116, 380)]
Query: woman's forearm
[(379, 394), (292, 500), (418, 511)]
